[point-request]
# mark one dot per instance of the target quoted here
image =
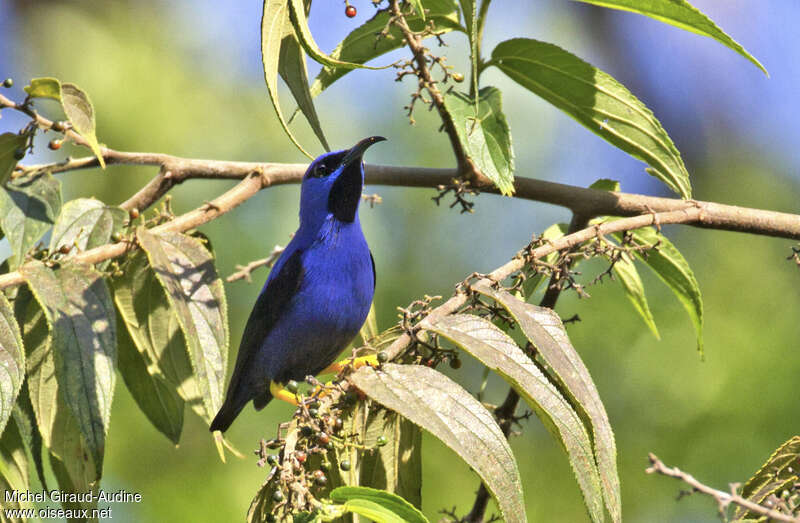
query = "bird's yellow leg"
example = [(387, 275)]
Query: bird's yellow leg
[(356, 363), (279, 392)]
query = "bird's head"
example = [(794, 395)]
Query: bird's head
[(333, 182)]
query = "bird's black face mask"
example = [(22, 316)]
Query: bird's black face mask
[(345, 193)]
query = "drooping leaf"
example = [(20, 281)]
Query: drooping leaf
[(299, 20), (396, 465), (85, 223), (28, 208), (546, 332), (12, 361), (274, 18), (365, 43), (153, 327), (378, 505), (440, 406), (80, 113), (631, 282), (13, 461), (485, 136), (72, 461), (679, 13), (780, 472), (80, 316), (77, 107), (40, 366), (155, 397), (497, 351), (292, 68), (597, 101), (26, 422), (673, 269), (195, 292), (10, 143)]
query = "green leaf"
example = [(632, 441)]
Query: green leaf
[(299, 20), (12, 361), (77, 107), (363, 43), (679, 13), (28, 207), (604, 184), (442, 407), (397, 465), (498, 352), (485, 136), (154, 329), (673, 269), (469, 8), (72, 462), (44, 88), (13, 460), (9, 144), (158, 399), (80, 317), (292, 68), (546, 332), (597, 101), (555, 231), (378, 505), (40, 366), (195, 292), (631, 282), (26, 421), (86, 223), (781, 471), (80, 113), (274, 18), (418, 8)]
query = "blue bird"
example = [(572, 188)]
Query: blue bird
[(318, 294)]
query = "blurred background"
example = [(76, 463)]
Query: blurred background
[(184, 77)]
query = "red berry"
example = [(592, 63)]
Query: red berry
[(300, 456), (350, 11), (54, 145)]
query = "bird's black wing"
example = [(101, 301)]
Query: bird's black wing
[(374, 274), (271, 303)]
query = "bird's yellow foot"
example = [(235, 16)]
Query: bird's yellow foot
[(356, 363), (280, 393)]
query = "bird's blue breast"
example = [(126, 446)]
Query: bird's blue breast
[(330, 305)]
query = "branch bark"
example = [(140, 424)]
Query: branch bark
[(723, 499)]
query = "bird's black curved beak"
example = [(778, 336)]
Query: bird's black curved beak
[(346, 190), (357, 151)]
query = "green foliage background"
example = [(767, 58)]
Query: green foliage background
[(718, 418)]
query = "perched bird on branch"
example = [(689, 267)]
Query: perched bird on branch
[(318, 294)]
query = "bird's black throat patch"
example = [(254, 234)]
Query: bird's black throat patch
[(346, 193)]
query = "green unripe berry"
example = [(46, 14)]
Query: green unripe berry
[(383, 357), (344, 465), (8, 82), (277, 496), (455, 363), (292, 386), (381, 441), (458, 77), (313, 413), (272, 460), (19, 153)]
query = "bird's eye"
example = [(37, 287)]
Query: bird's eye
[(320, 171)]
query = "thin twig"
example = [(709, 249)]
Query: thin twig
[(723, 499), (243, 272)]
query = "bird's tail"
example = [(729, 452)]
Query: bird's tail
[(233, 406)]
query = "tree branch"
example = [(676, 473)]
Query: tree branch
[(723, 499), (243, 271)]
